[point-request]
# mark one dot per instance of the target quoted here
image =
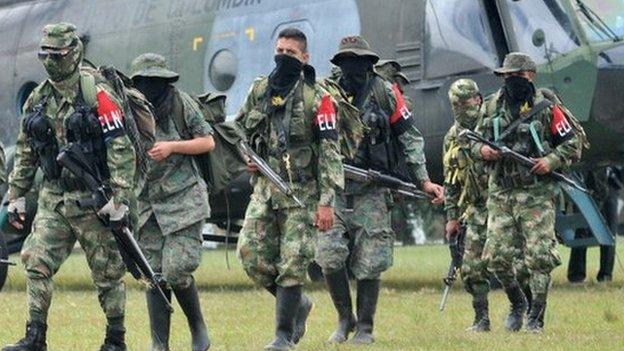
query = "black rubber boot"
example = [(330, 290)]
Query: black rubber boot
[(535, 323), (529, 297), (338, 286), (482, 319), (367, 295), (115, 334), (305, 307), (189, 302), (518, 307), (160, 319), (287, 301), (34, 340)]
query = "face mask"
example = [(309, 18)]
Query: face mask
[(287, 71), (355, 72), (466, 116), (518, 89), (153, 88), (60, 67)]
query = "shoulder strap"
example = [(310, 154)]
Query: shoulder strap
[(88, 89), (535, 110), (178, 118), (381, 95), (308, 99)]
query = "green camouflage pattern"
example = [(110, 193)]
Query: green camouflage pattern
[(528, 214), (59, 36), (516, 62), (3, 170), (176, 255), (275, 246), (173, 191), (59, 223), (152, 65), (361, 239), (318, 160)]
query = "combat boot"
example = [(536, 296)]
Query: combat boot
[(338, 286), (367, 295), (482, 319), (160, 319), (535, 323), (34, 340), (518, 307), (305, 307), (189, 302), (287, 301), (114, 340)]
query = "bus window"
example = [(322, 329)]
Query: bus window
[(611, 12), (548, 15), (457, 38)]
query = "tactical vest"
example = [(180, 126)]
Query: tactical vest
[(379, 149)]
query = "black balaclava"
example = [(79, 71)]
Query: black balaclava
[(286, 73), (355, 70), (159, 92), (518, 92)]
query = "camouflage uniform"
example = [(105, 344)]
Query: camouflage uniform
[(520, 203), (465, 190), (173, 204), (362, 236), (3, 173), (59, 221)]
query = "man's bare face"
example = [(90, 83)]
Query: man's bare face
[(291, 47)]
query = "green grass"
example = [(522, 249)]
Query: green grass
[(240, 316)]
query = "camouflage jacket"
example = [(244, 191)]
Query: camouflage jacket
[(173, 191), (298, 138), (120, 155), (465, 178), (387, 99), (551, 133)]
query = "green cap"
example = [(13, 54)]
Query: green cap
[(516, 62), (59, 36), (391, 70), (152, 65), (462, 90), (354, 46)]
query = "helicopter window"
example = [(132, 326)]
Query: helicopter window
[(223, 69), (605, 18), (457, 38), (548, 15)]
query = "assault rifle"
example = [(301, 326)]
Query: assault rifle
[(518, 157), (384, 180), (268, 172), (7, 262), (456, 246), (73, 159)]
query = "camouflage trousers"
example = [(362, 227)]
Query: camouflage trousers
[(361, 238), (526, 215), (276, 246), (176, 255), (475, 275), (56, 227)]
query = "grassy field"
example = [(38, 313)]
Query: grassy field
[(240, 316)]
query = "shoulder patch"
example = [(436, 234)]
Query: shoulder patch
[(560, 127), (325, 120), (110, 115)]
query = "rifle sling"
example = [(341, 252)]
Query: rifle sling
[(535, 110)]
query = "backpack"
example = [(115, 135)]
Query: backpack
[(219, 166), (139, 117)]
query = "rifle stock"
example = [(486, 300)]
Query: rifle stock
[(72, 159), (456, 247)]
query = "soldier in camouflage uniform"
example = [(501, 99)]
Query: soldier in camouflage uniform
[(362, 237), (521, 200), (291, 122), (465, 195), (59, 221), (173, 201)]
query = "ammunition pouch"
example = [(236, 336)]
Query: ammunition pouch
[(83, 128), (42, 140)]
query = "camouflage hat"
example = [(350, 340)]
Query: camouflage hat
[(391, 70), (152, 65), (516, 62), (354, 46), (59, 36), (462, 90)]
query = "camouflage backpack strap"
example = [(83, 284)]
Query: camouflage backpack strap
[(179, 119), (88, 89), (380, 93)]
